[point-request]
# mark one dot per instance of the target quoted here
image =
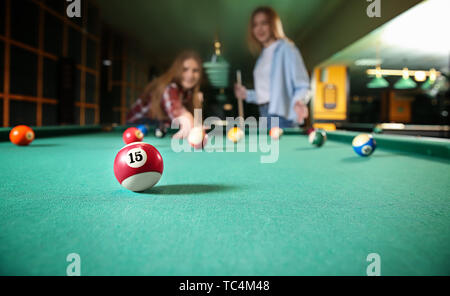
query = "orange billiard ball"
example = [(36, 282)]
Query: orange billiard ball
[(276, 133), (21, 135)]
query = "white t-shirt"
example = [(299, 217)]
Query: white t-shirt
[(261, 74)]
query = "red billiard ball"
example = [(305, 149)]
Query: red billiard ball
[(21, 135), (197, 138), (310, 130), (132, 135), (138, 166)]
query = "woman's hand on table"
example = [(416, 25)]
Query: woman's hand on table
[(186, 122)]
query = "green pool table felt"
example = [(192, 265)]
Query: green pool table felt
[(313, 212)]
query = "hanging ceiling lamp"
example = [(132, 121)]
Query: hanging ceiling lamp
[(420, 76), (431, 80), (378, 81), (405, 82), (217, 70)]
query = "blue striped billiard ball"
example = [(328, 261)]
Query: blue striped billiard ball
[(364, 145)]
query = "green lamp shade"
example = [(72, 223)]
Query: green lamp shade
[(378, 82), (427, 84), (217, 71), (403, 83)]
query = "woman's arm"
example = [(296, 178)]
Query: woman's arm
[(174, 108), (301, 84), (300, 77), (171, 102), (186, 123)]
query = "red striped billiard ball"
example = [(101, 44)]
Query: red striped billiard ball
[(138, 166), (310, 130), (21, 135), (132, 135)]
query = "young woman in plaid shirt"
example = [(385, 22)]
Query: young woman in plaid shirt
[(172, 97)]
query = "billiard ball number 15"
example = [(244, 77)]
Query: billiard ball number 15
[(136, 158)]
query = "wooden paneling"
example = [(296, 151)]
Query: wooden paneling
[(43, 31)]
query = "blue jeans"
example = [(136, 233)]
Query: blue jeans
[(282, 122)]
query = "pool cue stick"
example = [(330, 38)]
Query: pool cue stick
[(240, 103)]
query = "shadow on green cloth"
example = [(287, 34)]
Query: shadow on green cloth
[(177, 189), (394, 154), (317, 148), (43, 145), (357, 158)]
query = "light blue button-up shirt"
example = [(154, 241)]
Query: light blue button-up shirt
[(289, 81)]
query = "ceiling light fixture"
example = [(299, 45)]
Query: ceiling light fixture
[(405, 82), (420, 76), (378, 81), (431, 80), (391, 72)]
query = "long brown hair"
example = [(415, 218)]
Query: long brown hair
[(155, 89), (276, 28)]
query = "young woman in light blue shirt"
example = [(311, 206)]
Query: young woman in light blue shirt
[(280, 77)]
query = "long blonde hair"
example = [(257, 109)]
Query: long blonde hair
[(276, 28), (155, 89)]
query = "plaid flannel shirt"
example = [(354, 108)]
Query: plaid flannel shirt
[(173, 102)]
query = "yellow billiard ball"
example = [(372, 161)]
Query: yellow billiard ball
[(235, 134)]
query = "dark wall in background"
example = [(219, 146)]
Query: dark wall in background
[(124, 79), (35, 36)]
